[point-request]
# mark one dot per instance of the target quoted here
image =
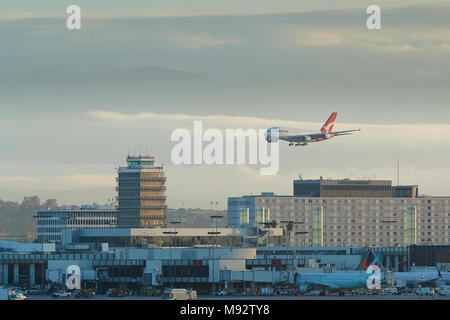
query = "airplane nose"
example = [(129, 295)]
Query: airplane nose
[(268, 136)]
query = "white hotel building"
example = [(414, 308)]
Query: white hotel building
[(50, 223), (358, 221)]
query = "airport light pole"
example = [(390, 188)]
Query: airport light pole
[(173, 233), (175, 223), (304, 233), (216, 233), (290, 227)]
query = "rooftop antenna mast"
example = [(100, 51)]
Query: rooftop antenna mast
[(398, 171)]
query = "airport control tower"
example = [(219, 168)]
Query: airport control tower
[(141, 193)]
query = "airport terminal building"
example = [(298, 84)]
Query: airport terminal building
[(206, 268), (176, 237)]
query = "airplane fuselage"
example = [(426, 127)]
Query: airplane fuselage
[(332, 281), (292, 136), (415, 278)]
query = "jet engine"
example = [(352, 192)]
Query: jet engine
[(303, 288)]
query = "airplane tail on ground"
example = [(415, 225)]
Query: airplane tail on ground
[(366, 260), (328, 126), (371, 259), (378, 260)]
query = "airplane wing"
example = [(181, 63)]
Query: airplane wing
[(316, 136), (321, 285), (299, 138), (304, 137), (343, 133)]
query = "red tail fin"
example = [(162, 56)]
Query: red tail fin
[(328, 126)]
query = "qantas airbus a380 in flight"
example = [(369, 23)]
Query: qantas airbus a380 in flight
[(301, 138)]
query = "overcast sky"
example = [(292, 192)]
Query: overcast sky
[(75, 103)]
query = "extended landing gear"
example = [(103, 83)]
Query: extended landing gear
[(298, 144)]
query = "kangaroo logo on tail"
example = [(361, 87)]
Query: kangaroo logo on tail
[(328, 126)]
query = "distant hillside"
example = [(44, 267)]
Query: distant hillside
[(16, 219), (83, 90)]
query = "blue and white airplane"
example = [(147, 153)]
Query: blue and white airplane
[(339, 281), (416, 278)]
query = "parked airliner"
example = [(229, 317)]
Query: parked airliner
[(416, 278), (338, 281), (302, 138)]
